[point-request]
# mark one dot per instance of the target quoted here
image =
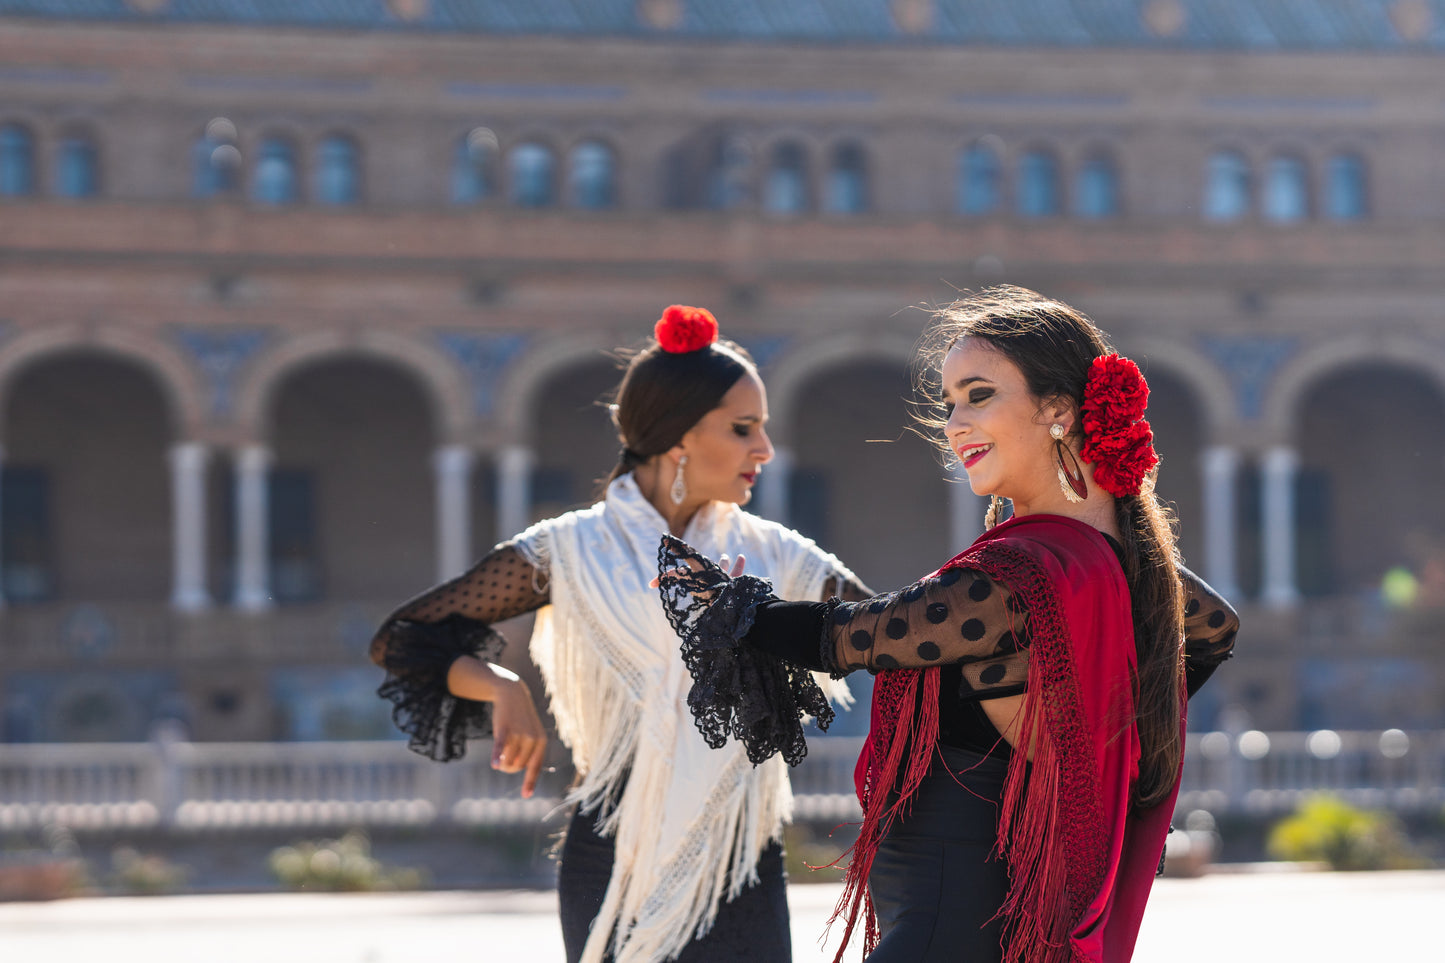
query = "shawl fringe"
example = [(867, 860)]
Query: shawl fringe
[(611, 682), (1051, 830)]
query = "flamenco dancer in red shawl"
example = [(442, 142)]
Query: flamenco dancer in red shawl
[(1028, 715)]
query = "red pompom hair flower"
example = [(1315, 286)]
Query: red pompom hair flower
[(683, 329), (1118, 442)]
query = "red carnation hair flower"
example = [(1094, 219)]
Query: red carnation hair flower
[(683, 329), (1122, 459), (1115, 395), (1118, 442)]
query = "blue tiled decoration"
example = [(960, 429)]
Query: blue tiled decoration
[(89, 705), (1206, 24), (484, 357), (1250, 363), (220, 354)]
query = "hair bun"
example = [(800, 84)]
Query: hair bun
[(682, 329)]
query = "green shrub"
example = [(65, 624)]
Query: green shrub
[(339, 864), (1328, 829), (144, 875)]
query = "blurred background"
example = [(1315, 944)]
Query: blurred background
[(304, 305)]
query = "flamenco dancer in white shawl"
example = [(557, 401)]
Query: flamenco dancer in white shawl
[(673, 851)]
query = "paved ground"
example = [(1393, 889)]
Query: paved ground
[(1222, 918)]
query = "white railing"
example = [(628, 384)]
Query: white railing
[(194, 786)]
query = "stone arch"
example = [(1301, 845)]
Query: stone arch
[(523, 381), (1366, 485), (352, 495), (443, 384), (862, 483), (788, 376), (1210, 387), (1294, 380), (572, 434), (90, 502), (179, 382)]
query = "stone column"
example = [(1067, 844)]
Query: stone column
[(965, 512), (1278, 469), (514, 490), (453, 467), (1220, 465), (253, 529), (188, 527), (770, 498)]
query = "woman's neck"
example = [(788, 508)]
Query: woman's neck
[(1097, 510), (655, 489)]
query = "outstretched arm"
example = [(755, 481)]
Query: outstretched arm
[(438, 650)]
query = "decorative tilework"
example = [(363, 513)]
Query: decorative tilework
[(1250, 363), (220, 355), (483, 357)]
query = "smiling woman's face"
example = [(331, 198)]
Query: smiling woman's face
[(997, 427), (727, 448)]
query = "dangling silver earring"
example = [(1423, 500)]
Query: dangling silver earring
[(679, 486), (1071, 475)]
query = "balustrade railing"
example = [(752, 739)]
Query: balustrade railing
[(196, 786)]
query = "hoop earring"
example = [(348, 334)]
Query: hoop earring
[(1071, 474), (678, 492)]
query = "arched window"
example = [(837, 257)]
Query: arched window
[(847, 191), (215, 161), (1038, 189), (338, 171), (77, 166), (1226, 186), (729, 174), (786, 189), (533, 172), (1345, 195), (17, 161), (472, 166), (274, 180), (1286, 190), (592, 176), (980, 180), (1096, 187)]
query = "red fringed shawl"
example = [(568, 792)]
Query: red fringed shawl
[(1080, 862)]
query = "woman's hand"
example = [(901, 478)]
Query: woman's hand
[(519, 741), (693, 566)]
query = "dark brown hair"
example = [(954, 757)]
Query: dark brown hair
[(1053, 344), (662, 395)]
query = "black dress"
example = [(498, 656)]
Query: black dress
[(936, 882)]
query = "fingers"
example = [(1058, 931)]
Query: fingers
[(534, 768), (737, 566), (515, 751)]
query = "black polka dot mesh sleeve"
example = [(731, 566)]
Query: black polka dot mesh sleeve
[(501, 586), (418, 643), (960, 617), (1210, 625), (963, 618)]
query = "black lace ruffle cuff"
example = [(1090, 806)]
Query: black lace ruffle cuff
[(418, 657), (737, 690)]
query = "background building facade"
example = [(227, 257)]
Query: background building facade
[(301, 311)]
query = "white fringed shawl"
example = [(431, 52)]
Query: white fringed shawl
[(618, 691)]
